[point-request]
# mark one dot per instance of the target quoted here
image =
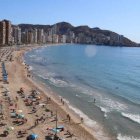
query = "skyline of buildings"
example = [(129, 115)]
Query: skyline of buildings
[(12, 35), (58, 33)]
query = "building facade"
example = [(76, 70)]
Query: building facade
[(2, 32), (5, 32), (16, 33)]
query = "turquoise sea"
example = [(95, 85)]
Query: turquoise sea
[(82, 74)]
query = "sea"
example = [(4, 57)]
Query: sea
[(99, 83)]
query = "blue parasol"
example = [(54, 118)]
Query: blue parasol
[(33, 136)]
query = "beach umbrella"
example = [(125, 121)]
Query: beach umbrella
[(55, 130), (58, 129), (20, 116), (33, 136)]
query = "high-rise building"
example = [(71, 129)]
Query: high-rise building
[(23, 38), (49, 38), (16, 34), (40, 35), (35, 35), (55, 38), (2, 32), (8, 34), (30, 37), (63, 39), (54, 29)]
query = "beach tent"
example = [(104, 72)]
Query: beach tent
[(32, 137)]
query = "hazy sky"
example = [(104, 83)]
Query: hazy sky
[(121, 16)]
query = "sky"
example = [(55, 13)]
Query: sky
[(121, 16)]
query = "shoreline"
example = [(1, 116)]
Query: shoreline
[(56, 99), (69, 109), (19, 75)]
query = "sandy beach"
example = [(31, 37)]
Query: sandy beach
[(39, 117)]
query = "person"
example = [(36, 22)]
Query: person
[(21, 89), (82, 119), (25, 120), (15, 105), (36, 122), (68, 117), (51, 113), (63, 102), (94, 100), (6, 133), (16, 98)]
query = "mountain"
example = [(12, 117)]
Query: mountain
[(84, 34)]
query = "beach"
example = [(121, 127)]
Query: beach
[(53, 107), (100, 93)]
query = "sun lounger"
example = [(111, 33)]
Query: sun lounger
[(58, 129), (13, 115)]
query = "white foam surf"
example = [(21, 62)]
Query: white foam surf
[(112, 105), (23, 62), (105, 111), (39, 50), (120, 137), (32, 56), (30, 68), (133, 117), (58, 82), (97, 128), (52, 80)]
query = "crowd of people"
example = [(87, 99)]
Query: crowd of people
[(22, 112)]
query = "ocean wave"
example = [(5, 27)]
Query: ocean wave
[(78, 96), (120, 137), (23, 62), (113, 105), (31, 68), (87, 120), (53, 80), (45, 75), (109, 104), (32, 56), (106, 104), (105, 110), (39, 60), (99, 133), (58, 82), (39, 50), (133, 117)]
